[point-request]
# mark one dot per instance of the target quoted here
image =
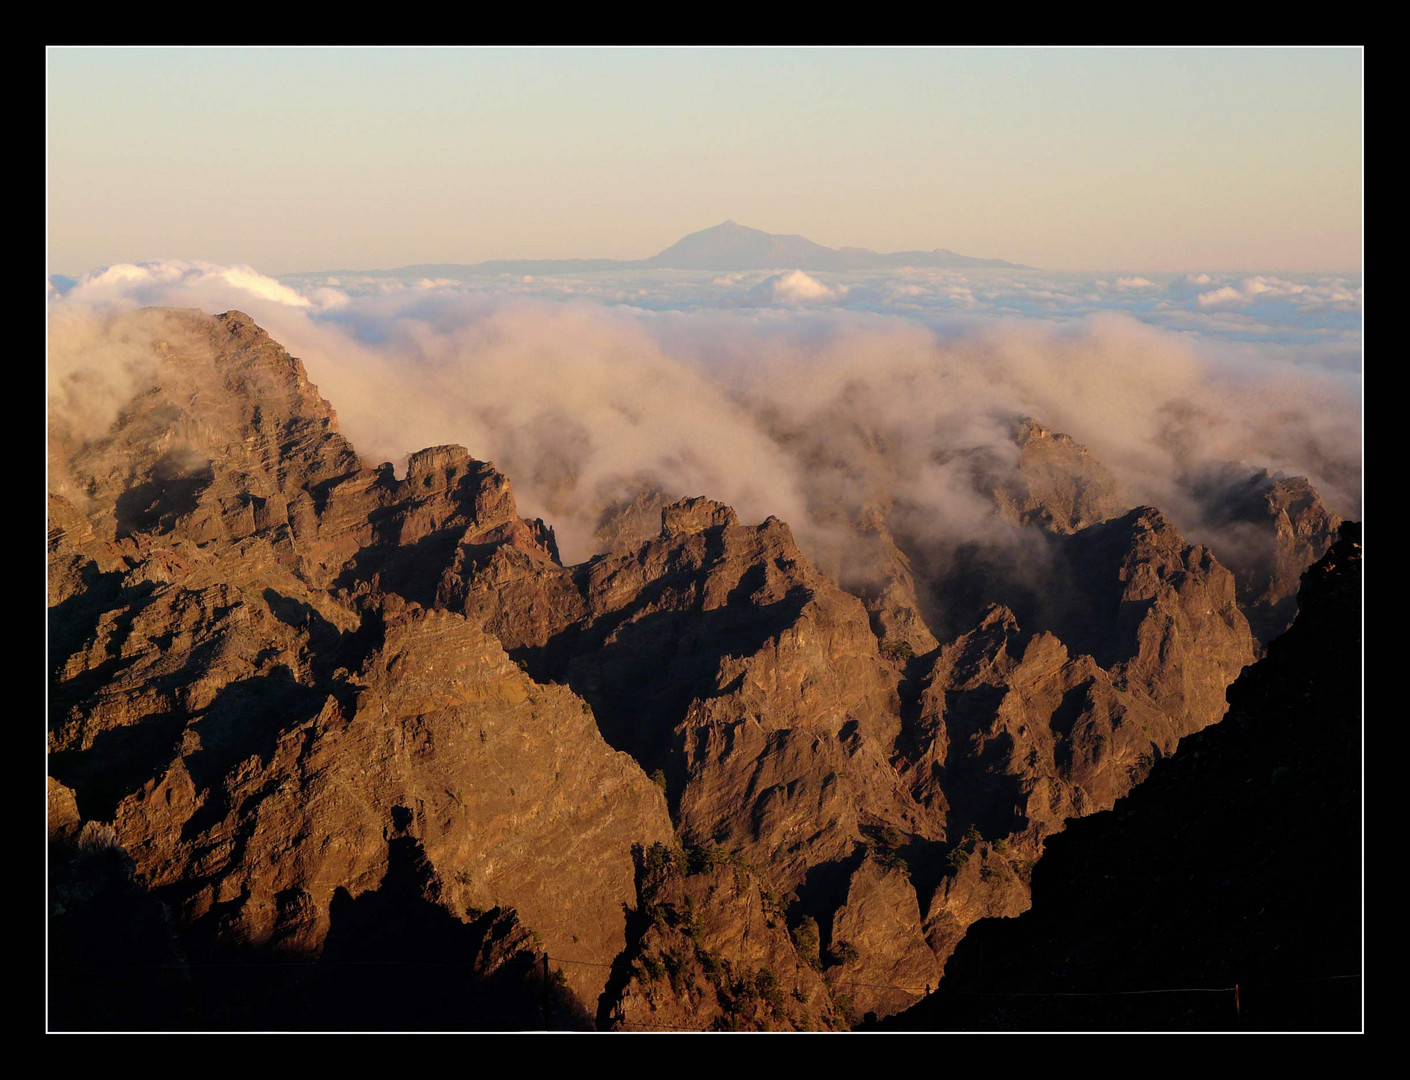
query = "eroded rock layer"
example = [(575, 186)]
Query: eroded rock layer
[(690, 783)]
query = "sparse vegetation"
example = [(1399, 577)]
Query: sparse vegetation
[(677, 970), (713, 966), (807, 944), (766, 986), (843, 1001), (897, 651), (701, 859)]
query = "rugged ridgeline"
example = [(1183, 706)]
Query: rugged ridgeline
[(1276, 526), (1210, 873), (248, 689), (1268, 529), (309, 717)]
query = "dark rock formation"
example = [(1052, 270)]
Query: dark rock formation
[(1271, 529), (1208, 875)]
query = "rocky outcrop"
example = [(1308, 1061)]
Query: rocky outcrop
[(227, 432), (1017, 732), (883, 577), (309, 698), (880, 958), (1055, 484), (627, 523), (1200, 877), (713, 952), (718, 657), (1271, 529), (253, 701), (63, 816)]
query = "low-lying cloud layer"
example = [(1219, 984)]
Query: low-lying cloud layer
[(803, 396)]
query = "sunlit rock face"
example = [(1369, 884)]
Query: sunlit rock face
[(695, 774)]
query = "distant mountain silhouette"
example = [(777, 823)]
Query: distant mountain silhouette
[(727, 246), (731, 246), (737, 247)]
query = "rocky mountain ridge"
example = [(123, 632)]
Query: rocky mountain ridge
[(714, 788), (1205, 876)]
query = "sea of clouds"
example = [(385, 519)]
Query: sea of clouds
[(801, 395)]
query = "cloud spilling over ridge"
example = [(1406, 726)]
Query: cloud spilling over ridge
[(808, 413)]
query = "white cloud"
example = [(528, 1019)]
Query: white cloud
[(668, 380), (795, 287), (1221, 296), (139, 282)]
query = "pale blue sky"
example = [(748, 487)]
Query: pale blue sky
[(1099, 159)]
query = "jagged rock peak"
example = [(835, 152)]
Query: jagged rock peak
[(1151, 519), (695, 515), (1029, 429), (250, 343), (238, 321), (999, 615), (436, 458), (1057, 483)]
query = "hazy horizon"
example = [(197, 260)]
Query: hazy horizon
[(76, 274), (297, 160), (253, 179)]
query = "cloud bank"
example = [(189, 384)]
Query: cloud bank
[(784, 393)]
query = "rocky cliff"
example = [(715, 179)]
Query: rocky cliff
[(1212, 874), (247, 688), (327, 716)]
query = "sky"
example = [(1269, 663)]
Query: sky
[(1100, 160)]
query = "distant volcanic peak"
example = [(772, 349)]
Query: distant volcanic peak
[(728, 246), (731, 246)]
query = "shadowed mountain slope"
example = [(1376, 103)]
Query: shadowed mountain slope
[(1236, 863)]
